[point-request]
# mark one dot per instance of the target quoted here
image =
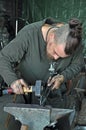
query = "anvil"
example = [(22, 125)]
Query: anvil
[(35, 116)]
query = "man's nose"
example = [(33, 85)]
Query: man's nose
[(56, 57)]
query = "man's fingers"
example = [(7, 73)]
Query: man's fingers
[(18, 86), (51, 81), (56, 85), (56, 81), (24, 84)]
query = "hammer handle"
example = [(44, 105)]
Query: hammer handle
[(24, 127), (28, 90), (9, 90)]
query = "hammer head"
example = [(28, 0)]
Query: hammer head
[(38, 88)]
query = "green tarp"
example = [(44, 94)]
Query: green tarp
[(62, 10)]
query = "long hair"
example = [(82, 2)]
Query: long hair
[(74, 37), (69, 34)]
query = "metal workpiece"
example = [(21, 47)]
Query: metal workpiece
[(35, 116)]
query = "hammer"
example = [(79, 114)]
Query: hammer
[(37, 88)]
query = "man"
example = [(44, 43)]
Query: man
[(40, 49)]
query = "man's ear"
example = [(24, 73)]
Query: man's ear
[(51, 36)]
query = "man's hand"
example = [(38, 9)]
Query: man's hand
[(17, 86), (56, 81)]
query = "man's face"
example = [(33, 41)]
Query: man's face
[(55, 51)]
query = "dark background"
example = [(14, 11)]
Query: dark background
[(28, 11)]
